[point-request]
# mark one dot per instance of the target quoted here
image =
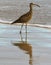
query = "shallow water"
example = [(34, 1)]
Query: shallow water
[(31, 48), (38, 35)]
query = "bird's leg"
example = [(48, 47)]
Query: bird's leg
[(21, 37), (26, 32), (26, 27), (21, 27)]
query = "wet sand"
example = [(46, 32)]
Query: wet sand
[(31, 48)]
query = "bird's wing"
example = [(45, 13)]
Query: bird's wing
[(25, 17)]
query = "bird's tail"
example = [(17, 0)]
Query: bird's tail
[(13, 22), (16, 21)]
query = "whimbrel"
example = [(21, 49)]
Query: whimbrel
[(25, 17)]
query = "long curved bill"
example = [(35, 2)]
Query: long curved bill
[(36, 5)]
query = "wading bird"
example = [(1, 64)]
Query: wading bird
[(25, 17)]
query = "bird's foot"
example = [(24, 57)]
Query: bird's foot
[(20, 32)]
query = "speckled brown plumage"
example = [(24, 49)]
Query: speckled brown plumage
[(25, 17)]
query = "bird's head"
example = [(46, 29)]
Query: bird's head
[(34, 4)]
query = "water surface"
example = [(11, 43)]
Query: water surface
[(31, 48)]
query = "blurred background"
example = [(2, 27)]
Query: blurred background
[(11, 10)]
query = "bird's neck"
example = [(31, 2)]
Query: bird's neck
[(31, 8)]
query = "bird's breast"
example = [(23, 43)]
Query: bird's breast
[(26, 18)]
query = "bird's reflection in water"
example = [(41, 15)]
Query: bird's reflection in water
[(23, 45)]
